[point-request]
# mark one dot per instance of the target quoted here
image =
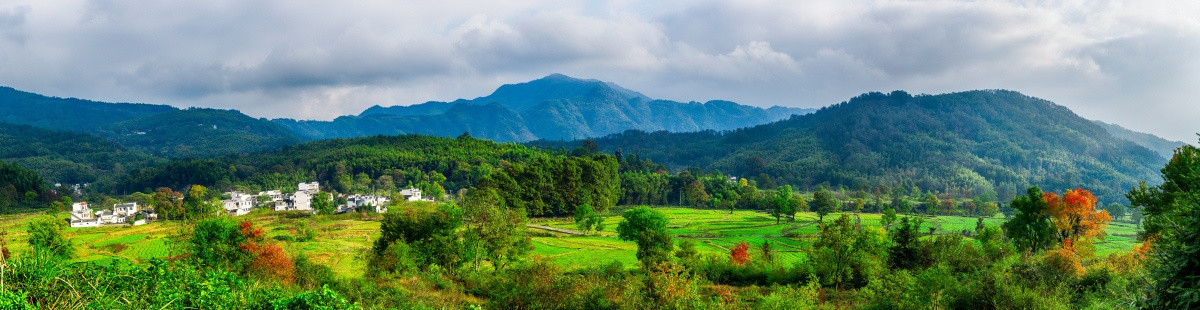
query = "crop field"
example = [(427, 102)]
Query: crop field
[(341, 241)]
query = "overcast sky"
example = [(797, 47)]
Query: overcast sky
[(1136, 63)]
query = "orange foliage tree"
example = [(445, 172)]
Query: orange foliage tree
[(1076, 217), (266, 259), (740, 255)]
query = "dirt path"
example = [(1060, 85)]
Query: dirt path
[(557, 230)]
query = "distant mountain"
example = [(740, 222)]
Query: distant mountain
[(1165, 148), (18, 107), (556, 107), (961, 143), (67, 157), (156, 129), (200, 133)]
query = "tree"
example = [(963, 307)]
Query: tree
[(906, 252), (901, 204), (1116, 210), (1171, 217), (1031, 227), (687, 249), (46, 234), (648, 228), (823, 203), (696, 195), (1076, 217), (740, 254), (322, 203), (887, 218), (767, 253), (418, 239), (846, 255), (783, 203), (587, 220), (930, 203), (196, 206), (168, 203), (496, 230)]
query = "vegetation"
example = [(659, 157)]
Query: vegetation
[(1172, 223)]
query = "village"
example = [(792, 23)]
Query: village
[(238, 204)]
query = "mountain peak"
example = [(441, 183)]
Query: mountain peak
[(522, 96)]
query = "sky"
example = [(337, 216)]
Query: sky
[(1132, 63)]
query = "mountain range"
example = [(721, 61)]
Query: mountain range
[(963, 143), (556, 107)]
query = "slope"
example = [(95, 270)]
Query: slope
[(1165, 148), (67, 157), (555, 107), (199, 133), (18, 107), (961, 143)]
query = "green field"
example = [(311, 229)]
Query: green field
[(341, 241)]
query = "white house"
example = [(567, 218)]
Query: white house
[(411, 194), (238, 204), (300, 201), (310, 188), (379, 203), (82, 216), (125, 209)]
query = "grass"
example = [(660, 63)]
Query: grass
[(342, 240)]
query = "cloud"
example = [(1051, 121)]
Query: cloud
[(1127, 63)]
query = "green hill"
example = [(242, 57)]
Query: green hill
[(555, 107), (200, 133), (18, 107), (1165, 148), (67, 157), (960, 143)]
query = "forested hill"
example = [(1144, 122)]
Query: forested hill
[(156, 129), (960, 143), (540, 182), (67, 157), (200, 133), (1165, 148), (18, 107), (556, 107)]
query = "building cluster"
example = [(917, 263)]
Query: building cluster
[(239, 204), (122, 213)]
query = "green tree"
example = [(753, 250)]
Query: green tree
[(696, 195), (930, 203), (419, 239), (1171, 213), (168, 203), (322, 203), (887, 217), (46, 234), (494, 232), (1031, 227), (586, 219), (198, 205), (648, 228), (824, 203), (901, 204), (783, 203)]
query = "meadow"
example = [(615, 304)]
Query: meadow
[(341, 241)]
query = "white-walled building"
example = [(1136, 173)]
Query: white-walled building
[(309, 188), (411, 194), (378, 203), (238, 204), (82, 215)]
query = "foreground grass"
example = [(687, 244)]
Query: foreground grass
[(341, 241)]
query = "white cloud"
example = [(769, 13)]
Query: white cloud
[(1130, 63)]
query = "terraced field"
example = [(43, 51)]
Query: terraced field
[(341, 241)]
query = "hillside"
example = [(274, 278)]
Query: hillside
[(960, 143), (199, 133), (67, 157), (556, 107), (1165, 148), (18, 107)]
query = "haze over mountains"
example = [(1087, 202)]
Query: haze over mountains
[(556, 107)]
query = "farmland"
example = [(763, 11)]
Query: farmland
[(341, 241)]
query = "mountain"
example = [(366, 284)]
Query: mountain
[(1165, 148), (156, 129), (200, 133), (964, 143), (67, 157), (18, 107), (555, 107)]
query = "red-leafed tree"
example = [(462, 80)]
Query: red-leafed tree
[(1076, 217), (740, 255)]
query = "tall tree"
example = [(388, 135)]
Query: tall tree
[(824, 203), (1171, 213), (1031, 228), (1076, 217), (648, 228), (47, 234)]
